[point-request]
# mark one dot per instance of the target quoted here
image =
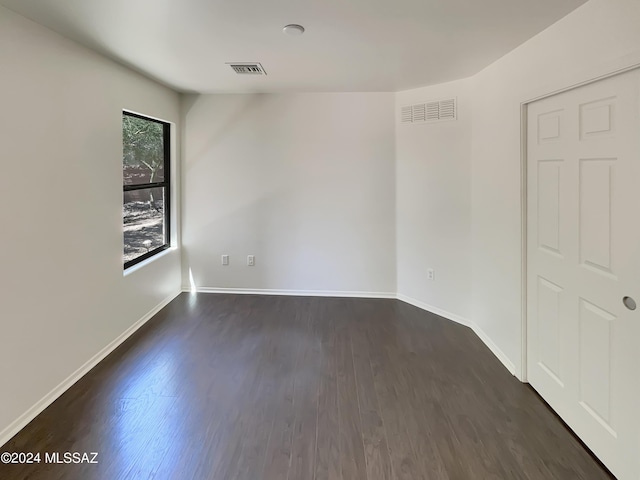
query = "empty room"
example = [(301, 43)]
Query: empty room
[(319, 240)]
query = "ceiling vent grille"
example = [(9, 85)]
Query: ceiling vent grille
[(428, 112), (247, 68)]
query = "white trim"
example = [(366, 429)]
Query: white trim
[(157, 119), (524, 185), (404, 298), (467, 323), (438, 311), (10, 431), (494, 349), (295, 293), (586, 76), (13, 428), (134, 268), (606, 70)]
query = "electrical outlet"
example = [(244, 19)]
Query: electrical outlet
[(225, 259), (431, 274), (251, 260)]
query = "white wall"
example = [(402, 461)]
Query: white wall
[(306, 182), (63, 296), (303, 181), (433, 209), (569, 51)]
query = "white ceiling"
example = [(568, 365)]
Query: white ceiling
[(349, 45)]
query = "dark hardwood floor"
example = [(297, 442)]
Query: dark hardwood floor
[(265, 388)]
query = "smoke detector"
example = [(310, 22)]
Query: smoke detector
[(247, 68)]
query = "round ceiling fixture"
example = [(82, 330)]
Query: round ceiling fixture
[(293, 29)]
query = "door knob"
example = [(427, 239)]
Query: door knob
[(629, 302)]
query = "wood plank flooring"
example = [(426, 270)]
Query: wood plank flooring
[(293, 388)]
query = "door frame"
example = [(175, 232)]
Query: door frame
[(616, 67)]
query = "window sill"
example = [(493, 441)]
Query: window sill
[(149, 260)]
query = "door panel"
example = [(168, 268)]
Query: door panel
[(597, 118), (549, 205), (549, 295), (583, 257), (597, 181), (596, 340)]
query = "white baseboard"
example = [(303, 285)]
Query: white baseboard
[(438, 311), (295, 293), (468, 323), (8, 433), (412, 301), (13, 428), (495, 349)]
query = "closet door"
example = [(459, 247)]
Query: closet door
[(583, 234)]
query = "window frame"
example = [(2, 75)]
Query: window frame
[(165, 184)]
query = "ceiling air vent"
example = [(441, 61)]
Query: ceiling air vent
[(429, 112), (247, 68)]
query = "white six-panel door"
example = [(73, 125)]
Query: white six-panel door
[(583, 258)]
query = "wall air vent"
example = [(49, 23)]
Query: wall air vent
[(247, 68), (406, 114), (428, 112)]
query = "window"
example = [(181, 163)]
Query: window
[(145, 173)]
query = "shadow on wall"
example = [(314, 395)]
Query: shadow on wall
[(190, 160), (247, 229), (291, 248), (304, 193), (250, 102)]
